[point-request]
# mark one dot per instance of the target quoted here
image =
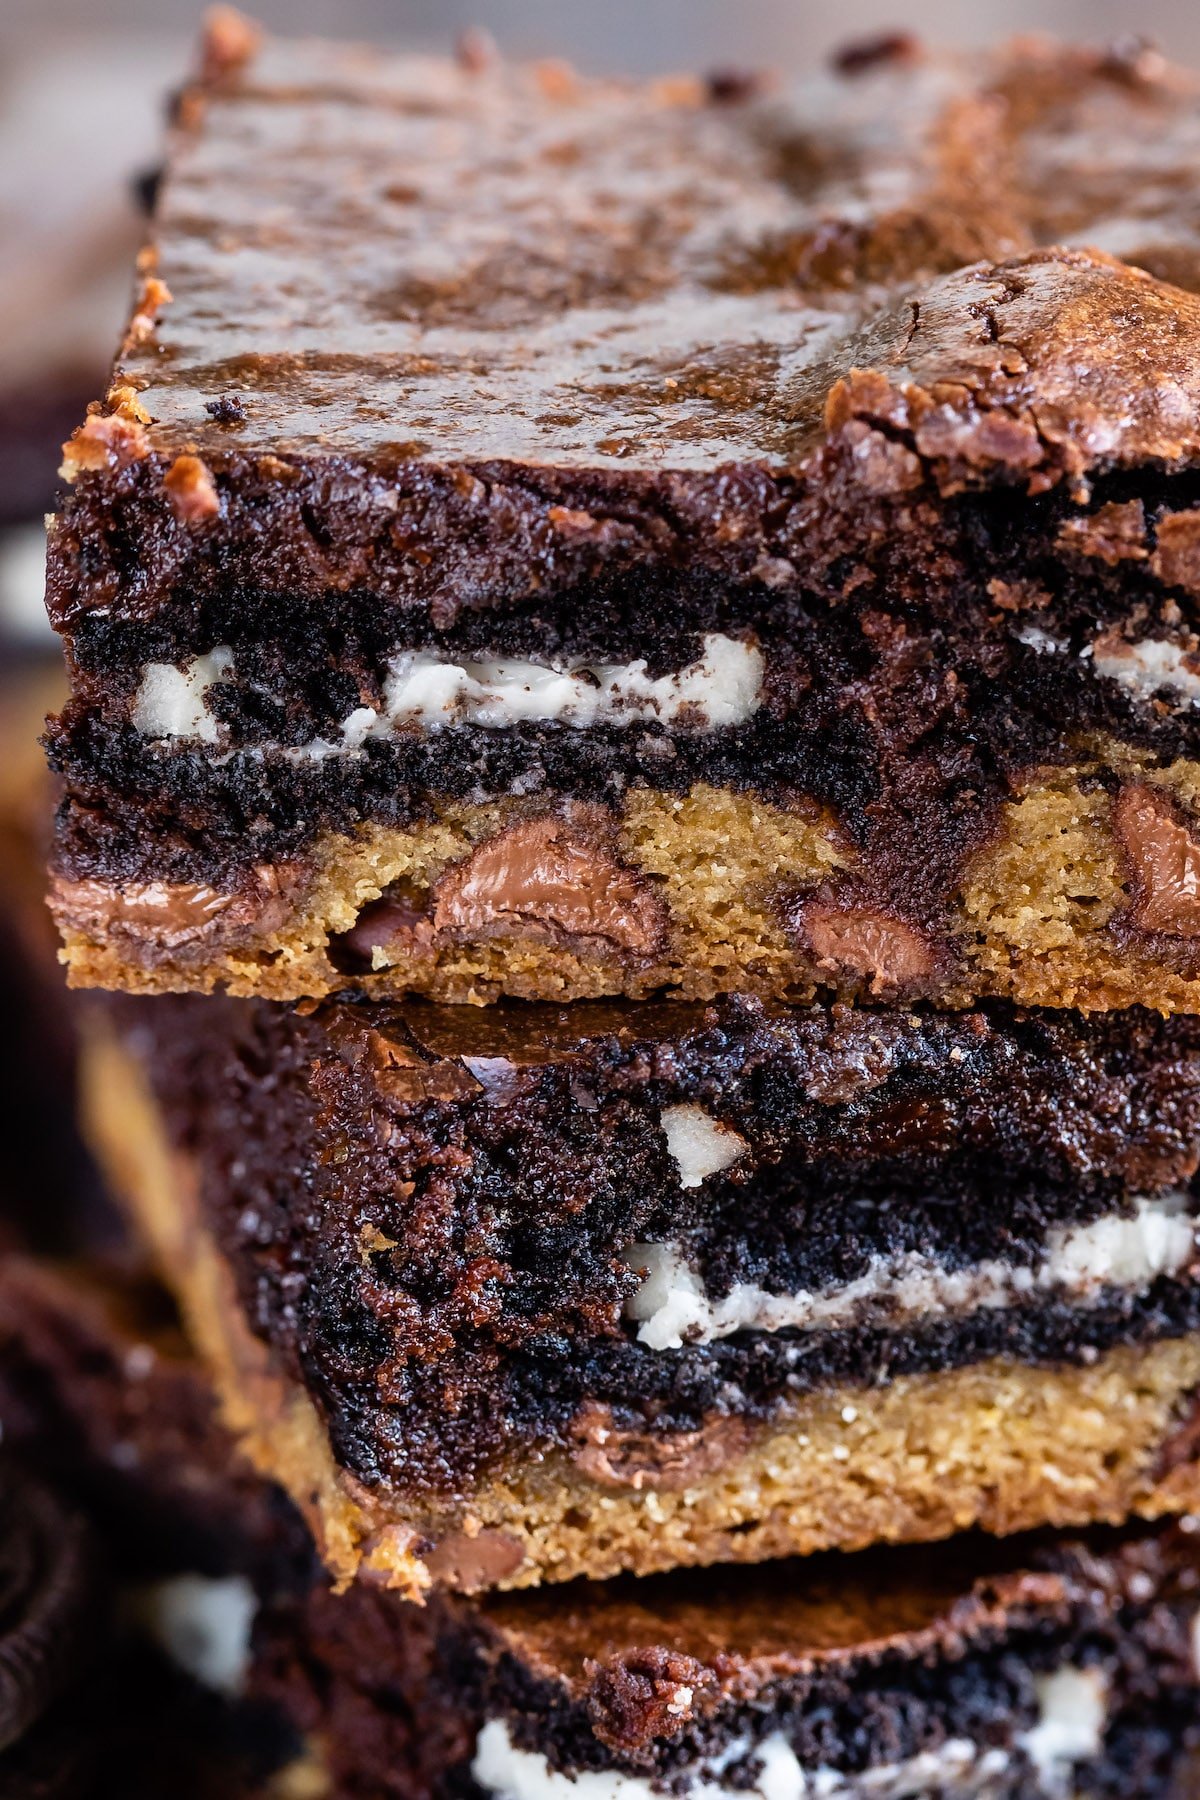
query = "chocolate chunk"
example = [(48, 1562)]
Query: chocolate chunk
[(1183, 1445), (468, 1564), (398, 921), (859, 938), (558, 879), (164, 915), (1164, 861), (671, 1461)]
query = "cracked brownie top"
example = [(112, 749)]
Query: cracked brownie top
[(455, 331)]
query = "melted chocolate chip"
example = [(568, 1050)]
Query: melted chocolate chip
[(1164, 861)]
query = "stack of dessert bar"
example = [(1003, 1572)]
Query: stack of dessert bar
[(634, 745)]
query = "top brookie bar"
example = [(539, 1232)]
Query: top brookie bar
[(564, 538)]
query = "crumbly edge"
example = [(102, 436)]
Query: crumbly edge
[(848, 1467), (1032, 913)]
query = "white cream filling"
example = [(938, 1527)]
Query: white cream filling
[(672, 1306), (700, 1145), (1069, 1730), (723, 687), (1153, 666), (1072, 1704), (173, 703), (203, 1624), (1147, 668)]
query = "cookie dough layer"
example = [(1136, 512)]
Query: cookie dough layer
[(1085, 896), (997, 1445)]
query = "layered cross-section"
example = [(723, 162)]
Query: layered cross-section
[(1027, 1670), (513, 1294)]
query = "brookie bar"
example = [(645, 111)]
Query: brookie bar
[(565, 538), (1027, 1670), (513, 1294)]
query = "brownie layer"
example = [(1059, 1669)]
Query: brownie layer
[(777, 517), (425, 1469), (657, 399)]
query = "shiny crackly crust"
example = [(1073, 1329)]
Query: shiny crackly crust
[(1082, 898), (1058, 1446), (725, 309)]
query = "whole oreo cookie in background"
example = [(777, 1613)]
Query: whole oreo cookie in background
[(53, 1617)]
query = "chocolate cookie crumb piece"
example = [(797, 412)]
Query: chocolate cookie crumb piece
[(226, 409)]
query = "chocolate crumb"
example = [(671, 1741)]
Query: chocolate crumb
[(226, 409)]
